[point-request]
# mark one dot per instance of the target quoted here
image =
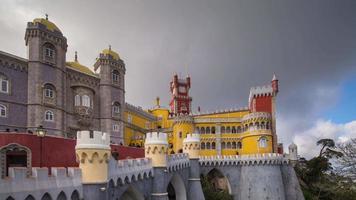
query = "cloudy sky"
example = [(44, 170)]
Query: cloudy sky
[(226, 47)]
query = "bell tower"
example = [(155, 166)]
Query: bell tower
[(181, 102)]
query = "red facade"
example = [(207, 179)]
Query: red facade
[(57, 152)]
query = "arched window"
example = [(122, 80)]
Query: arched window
[(86, 101), (257, 125), (180, 135), (223, 129), (239, 145), (207, 130), (202, 146), (233, 129), (267, 125), (263, 142), (116, 108), (208, 145), (197, 130), (49, 52), (239, 129), (246, 127), (223, 145), (3, 111), (213, 130), (228, 145), (115, 76), (77, 100), (234, 145), (228, 129), (115, 127), (49, 116), (49, 90), (213, 145), (4, 81), (202, 130), (263, 125)]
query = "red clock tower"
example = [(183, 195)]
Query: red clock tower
[(181, 102)]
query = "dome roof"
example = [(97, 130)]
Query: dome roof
[(79, 67), (111, 53), (49, 25)]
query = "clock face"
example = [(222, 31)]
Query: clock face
[(182, 89)]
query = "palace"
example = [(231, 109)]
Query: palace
[(66, 132), (47, 92)]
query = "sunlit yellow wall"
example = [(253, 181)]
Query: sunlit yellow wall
[(138, 125), (183, 128), (250, 145), (162, 115)]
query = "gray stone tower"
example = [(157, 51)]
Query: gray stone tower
[(112, 93), (46, 76)]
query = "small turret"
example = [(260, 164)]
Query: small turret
[(275, 84), (293, 153), (93, 154), (191, 145), (156, 148)]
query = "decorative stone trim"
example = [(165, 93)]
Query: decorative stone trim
[(177, 162), (253, 159), (127, 171), (12, 147)]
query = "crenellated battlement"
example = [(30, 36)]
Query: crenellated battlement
[(127, 171), (177, 161), (19, 184), (252, 159), (256, 116), (92, 140), (191, 145), (156, 138), (183, 118)]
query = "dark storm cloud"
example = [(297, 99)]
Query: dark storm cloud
[(225, 46)]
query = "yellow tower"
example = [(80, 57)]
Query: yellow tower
[(93, 154), (156, 148), (191, 145), (182, 126)]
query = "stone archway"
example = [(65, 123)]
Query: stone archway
[(176, 189), (132, 194), (14, 155)]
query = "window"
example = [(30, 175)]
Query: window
[(213, 145), (263, 142), (228, 145), (49, 53), (239, 145), (115, 76), (223, 145), (234, 145), (228, 129), (213, 130), (116, 108), (115, 127), (77, 100), (223, 129), (86, 101), (129, 118), (180, 134), (3, 111), (4, 85), (207, 145), (202, 145), (49, 116), (202, 130), (207, 130), (49, 93)]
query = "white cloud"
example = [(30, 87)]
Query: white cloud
[(306, 140)]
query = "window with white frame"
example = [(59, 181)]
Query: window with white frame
[(3, 111), (115, 76), (263, 142), (49, 115), (86, 101), (129, 118), (116, 108), (115, 127), (4, 84), (77, 100)]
